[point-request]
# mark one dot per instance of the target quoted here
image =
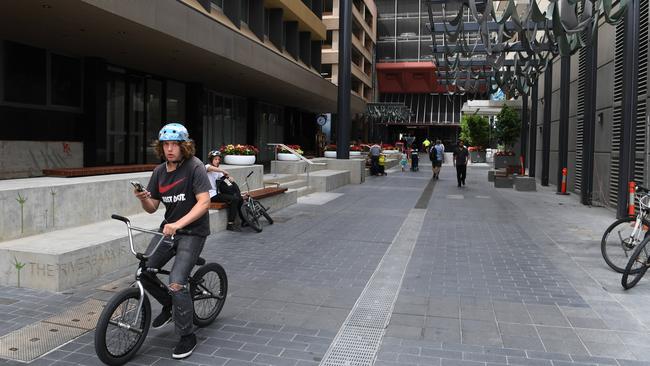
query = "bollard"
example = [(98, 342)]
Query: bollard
[(523, 170), (630, 202), (563, 186)]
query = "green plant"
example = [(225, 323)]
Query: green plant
[(21, 201), (507, 128), (478, 131), (19, 266), (238, 150)]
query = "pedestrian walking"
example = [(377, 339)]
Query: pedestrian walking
[(461, 157), (437, 156), (375, 151)]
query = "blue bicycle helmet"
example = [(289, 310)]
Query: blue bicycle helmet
[(173, 132)]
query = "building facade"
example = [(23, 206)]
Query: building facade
[(108, 75), (407, 74)]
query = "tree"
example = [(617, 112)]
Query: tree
[(508, 125), (475, 130)]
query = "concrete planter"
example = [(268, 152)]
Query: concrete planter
[(287, 157), (355, 153), (504, 161), (477, 156), (390, 152), (330, 154), (239, 159)]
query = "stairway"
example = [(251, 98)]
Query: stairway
[(291, 181)]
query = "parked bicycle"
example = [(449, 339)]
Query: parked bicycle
[(625, 235), (252, 209), (639, 261), (123, 324)]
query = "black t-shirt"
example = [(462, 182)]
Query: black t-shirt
[(177, 190), (461, 154)]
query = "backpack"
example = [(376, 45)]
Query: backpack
[(225, 188), (432, 153)]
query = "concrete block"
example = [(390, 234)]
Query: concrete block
[(327, 180), (491, 175), (53, 203), (503, 182), (21, 159), (62, 259), (356, 167), (295, 167), (525, 184)]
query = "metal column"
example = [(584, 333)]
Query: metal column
[(589, 121), (532, 154), (631, 68), (546, 132), (563, 130), (523, 136), (345, 80)]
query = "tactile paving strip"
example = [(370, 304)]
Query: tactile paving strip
[(358, 340), (30, 342), (82, 316)]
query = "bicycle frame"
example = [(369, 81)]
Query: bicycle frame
[(143, 258), (638, 224)]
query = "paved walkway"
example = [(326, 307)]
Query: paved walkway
[(482, 276)]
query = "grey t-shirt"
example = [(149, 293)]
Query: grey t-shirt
[(375, 150), (178, 189)]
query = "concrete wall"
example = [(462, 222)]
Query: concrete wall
[(57, 203), (21, 159)]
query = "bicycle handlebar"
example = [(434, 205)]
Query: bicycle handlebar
[(131, 228)]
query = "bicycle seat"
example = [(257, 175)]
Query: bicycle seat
[(200, 261)]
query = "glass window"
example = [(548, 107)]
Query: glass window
[(217, 4), (154, 117), (66, 81), (244, 11), (25, 74), (175, 102), (267, 22), (228, 121)]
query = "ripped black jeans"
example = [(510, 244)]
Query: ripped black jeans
[(187, 252)]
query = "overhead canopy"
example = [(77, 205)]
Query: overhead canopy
[(488, 107)]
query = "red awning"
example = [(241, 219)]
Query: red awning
[(408, 77)]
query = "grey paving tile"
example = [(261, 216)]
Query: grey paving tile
[(568, 346), (301, 355), (274, 360), (234, 354)]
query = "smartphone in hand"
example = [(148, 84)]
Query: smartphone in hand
[(138, 187)]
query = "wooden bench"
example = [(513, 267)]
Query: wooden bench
[(257, 194), (99, 170)]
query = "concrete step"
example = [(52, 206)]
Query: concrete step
[(61, 259), (294, 183), (302, 191), (278, 178), (327, 179)]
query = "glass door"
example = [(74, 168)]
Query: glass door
[(136, 119), (153, 118)]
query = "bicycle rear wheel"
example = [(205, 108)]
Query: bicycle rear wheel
[(262, 210), (209, 288), (117, 336), (248, 214), (637, 265), (617, 243)]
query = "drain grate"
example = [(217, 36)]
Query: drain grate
[(117, 285), (82, 316), (358, 340), (355, 346), (34, 340)]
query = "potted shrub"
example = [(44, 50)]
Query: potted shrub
[(507, 129), (239, 154), (388, 149), (330, 151), (286, 155), (475, 131), (355, 150)]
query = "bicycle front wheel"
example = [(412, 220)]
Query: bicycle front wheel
[(618, 243), (637, 265), (249, 215), (209, 288), (262, 210), (118, 335)]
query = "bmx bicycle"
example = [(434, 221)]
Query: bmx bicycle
[(252, 209), (624, 235), (123, 324)]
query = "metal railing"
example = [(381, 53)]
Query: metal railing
[(310, 163)]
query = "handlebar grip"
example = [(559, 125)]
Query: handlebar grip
[(249, 174), (121, 218)]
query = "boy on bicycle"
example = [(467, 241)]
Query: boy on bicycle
[(182, 184)]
